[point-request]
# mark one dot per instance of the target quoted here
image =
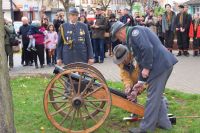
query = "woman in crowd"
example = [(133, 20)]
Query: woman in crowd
[(9, 29), (45, 23), (195, 34), (39, 45)]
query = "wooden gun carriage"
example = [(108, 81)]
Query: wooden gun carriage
[(78, 100)]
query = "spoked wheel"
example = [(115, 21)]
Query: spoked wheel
[(79, 103), (64, 81)]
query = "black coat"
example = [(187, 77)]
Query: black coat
[(23, 31)]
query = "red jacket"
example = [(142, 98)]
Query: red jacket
[(191, 32)]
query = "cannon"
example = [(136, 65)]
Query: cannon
[(78, 99)]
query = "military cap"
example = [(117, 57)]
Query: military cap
[(181, 6), (120, 53), (115, 28), (73, 10)]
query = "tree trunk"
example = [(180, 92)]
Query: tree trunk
[(6, 104)]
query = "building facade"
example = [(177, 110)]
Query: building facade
[(31, 8), (194, 6)]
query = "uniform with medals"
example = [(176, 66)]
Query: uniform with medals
[(74, 43)]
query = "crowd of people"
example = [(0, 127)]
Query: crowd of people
[(40, 38)]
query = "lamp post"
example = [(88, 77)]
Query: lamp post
[(11, 11)]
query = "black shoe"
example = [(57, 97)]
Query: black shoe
[(136, 130), (30, 64), (186, 53), (42, 66), (101, 62), (25, 65), (195, 53), (179, 53), (96, 61), (172, 120)]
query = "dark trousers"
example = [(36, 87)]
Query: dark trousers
[(27, 56), (9, 53), (47, 57), (156, 109), (182, 40), (55, 58), (196, 43), (99, 49), (161, 39), (169, 39), (40, 54)]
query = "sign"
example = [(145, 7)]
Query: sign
[(35, 8), (25, 7)]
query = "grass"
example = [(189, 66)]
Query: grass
[(30, 117)]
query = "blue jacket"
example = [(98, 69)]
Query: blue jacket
[(77, 35), (149, 51)]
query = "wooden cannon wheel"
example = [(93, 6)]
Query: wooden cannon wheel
[(61, 80), (79, 102)]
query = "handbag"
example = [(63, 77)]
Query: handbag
[(16, 49), (13, 38)]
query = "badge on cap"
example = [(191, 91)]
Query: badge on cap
[(135, 32)]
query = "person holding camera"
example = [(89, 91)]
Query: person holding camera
[(59, 19)]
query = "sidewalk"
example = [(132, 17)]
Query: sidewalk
[(185, 76)]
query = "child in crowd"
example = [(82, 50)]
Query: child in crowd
[(195, 34), (51, 39), (33, 30)]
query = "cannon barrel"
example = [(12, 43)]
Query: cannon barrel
[(59, 69)]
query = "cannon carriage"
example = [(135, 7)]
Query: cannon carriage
[(78, 99)]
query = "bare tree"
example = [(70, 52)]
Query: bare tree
[(6, 103), (131, 3), (65, 4), (104, 3)]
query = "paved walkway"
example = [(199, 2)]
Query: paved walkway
[(185, 76)]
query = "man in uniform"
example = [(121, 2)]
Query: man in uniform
[(74, 43), (156, 64)]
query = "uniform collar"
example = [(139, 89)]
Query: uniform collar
[(72, 23)]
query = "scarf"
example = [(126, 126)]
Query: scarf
[(169, 17), (181, 19)]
